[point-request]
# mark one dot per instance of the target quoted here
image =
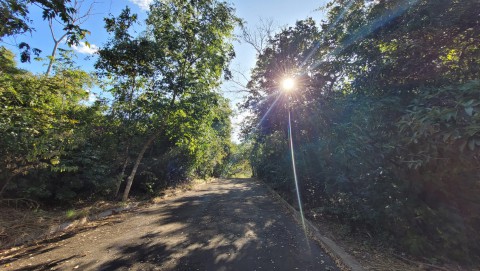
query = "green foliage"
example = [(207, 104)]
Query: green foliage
[(37, 118), (46, 128), (237, 163), (166, 119), (15, 21), (385, 120), (440, 137), (164, 85)]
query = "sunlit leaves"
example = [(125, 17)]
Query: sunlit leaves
[(38, 118)]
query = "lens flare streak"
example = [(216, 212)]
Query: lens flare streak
[(361, 33), (333, 25), (268, 111), (292, 153)]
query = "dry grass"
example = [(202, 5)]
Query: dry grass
[(20, 224), (22, 221)]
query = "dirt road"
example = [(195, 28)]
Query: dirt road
[(225, 225)]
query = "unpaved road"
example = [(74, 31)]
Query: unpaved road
[(225, 225)]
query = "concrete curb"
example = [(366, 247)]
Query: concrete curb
[(342, 258)]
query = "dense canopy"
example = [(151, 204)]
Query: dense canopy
[(385, 120)]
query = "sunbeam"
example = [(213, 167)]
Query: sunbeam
[(333, 25), (269, 109), (341, 15), (366, 30)]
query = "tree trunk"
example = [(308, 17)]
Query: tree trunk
[(142, 152), (52, 58), (54, 53), (137, 163), (122, 175)]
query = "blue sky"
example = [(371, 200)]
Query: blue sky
[(282, 12)]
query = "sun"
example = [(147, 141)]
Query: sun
[(288, 84)]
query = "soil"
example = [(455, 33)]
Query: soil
[(229, 224)]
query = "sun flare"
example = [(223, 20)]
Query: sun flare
[(288, 84)]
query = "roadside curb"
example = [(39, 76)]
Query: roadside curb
[(342, 258)]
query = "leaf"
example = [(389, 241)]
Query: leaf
[(446, 136), (55, 161), (469, 103), (469, 111)]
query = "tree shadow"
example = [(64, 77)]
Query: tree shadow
[(235, 226), (30, 252), (46, 245), (47, 266), (229, 229)]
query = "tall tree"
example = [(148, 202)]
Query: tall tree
[(195, 39), (186, 49), (126, 65)]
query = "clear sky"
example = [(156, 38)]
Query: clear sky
[(282, 12)]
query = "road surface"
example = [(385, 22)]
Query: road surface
[(231, 224)]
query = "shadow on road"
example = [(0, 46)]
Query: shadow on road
[(230, 225)]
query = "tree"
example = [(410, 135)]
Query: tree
[(186, 49), (126, 63), (37, 118), (194, 37), (282, 57), (384, 115), (76, 18), (16, 21)]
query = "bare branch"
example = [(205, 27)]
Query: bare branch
[(259, 36), (78, 18), (242, 74), (83, 18), (239, 80)]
